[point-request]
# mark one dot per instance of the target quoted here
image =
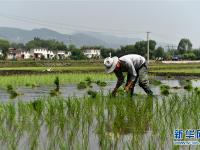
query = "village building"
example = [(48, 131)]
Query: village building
[(41, 53), (60, 54), (68, 54), (92, 53), (25, 55), (14, 53)]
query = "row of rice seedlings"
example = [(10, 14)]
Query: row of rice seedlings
[(88, 81), (187, 84), (56, 123), (47, 79), (88, 84)]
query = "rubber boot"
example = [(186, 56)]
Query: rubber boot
[(148, 91)]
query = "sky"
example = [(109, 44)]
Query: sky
[(167, 21)]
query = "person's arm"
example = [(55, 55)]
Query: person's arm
[(132, 76), (120, 80)]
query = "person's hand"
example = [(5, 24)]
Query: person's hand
[(129, 86)]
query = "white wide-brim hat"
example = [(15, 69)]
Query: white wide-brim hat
[(110, 64)]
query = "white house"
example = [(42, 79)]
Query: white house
[(14, 53), (90, 53), (60, 54), (25, 55), (68, 54), (42, 52)]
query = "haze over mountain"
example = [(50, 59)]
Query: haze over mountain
[(78, 38)]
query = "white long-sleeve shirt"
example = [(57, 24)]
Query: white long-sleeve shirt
[(130, 64)]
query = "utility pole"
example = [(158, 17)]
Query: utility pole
[(148, 47)]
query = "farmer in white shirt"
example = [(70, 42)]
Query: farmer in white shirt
[(135, 66)]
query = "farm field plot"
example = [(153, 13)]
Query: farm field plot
[(154, 68), (102, 122), (77, 111)]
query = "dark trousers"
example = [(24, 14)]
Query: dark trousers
[(142, 75)]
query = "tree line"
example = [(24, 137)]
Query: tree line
[(184, 49)]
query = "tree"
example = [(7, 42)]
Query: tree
[(50, 44), (4, 45), (141, 48), (71, 47), (128, 49), (197, 53), (189, 56), (159, 52), (184, 45), (105, 52), (17, 45), (77, 54)]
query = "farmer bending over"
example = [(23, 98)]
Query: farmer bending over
[(135, 66)]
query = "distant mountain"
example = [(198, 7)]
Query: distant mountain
[(78, 38)]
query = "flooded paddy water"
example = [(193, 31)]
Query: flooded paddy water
[(74, 120), (70, 90)]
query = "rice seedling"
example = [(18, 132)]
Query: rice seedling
[(187, 84), (13, 94), (197, 90), (56, 91), (188, 87), (9, 88), (93, 94), (120, 122), (164, 89), (101, 83), (48, 79), (27, 84), (89, 81), (155, 82), (81, 85), (57, 83)]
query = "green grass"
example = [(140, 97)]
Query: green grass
[(146, 122)]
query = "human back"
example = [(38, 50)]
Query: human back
[(134, 59)]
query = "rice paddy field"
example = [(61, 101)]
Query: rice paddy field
[(77, 111)]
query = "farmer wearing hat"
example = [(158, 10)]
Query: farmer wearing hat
[(136, 68)]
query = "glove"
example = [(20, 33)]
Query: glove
[(129, 86)]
